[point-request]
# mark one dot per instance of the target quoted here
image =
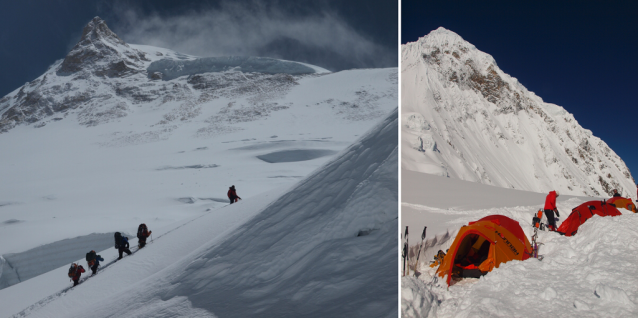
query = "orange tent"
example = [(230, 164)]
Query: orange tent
[(583, 212), (620, 202), (482, 245)]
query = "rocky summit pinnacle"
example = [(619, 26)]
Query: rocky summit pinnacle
[(101, 52)]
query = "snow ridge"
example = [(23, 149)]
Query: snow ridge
[(463, 117), (303, 252)]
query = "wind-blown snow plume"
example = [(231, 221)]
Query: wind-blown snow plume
[(255, 29), (463, 117)]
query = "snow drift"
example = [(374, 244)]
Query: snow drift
[(463, 117)]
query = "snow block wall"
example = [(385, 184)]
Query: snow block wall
[(327, 248), (463, 117)]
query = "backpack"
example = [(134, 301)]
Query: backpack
[(118, 239), (142, 231), (73, 269), (536, 219), (90, 258)]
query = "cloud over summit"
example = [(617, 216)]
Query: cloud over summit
[(321, 37)]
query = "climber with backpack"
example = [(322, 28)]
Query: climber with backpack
[(232, 195), (75, 271), (93, 260), (142, 234), (121, 244)]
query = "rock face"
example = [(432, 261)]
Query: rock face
[(102, 52), (463, 117)]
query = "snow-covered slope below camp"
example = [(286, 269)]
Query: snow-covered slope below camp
[(587, 275), (87, 152), (463, 117), (309, 252)]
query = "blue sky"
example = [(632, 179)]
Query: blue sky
[(581, 55)]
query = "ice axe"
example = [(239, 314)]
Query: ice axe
[(420, 248)]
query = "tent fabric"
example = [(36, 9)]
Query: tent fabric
[(481, 246), (583, 212), (620, 202)]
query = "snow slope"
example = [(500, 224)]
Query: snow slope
[(310, 252), (94, 146), (464, 118), (588, 275)]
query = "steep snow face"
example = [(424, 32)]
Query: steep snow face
[(312, 250), (326, 247), (463, 117)]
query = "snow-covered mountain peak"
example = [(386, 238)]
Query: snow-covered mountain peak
[(101, 51), (97, 30), (443, 37), (483, 125)]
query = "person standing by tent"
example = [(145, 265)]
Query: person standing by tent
[(93, 260), (121, 243), (142, 234), (616, 194), (232, 195), (75, 271), (550, 208)]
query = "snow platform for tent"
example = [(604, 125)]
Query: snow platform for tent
[(583, 212), (620, 202)]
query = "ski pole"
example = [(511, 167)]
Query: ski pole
[(420, 248), (407, 250)]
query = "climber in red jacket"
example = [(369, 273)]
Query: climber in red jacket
[(232, 195), (550, 208)]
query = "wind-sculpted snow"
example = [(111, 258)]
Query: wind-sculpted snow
[(302, 254), (463, 117), (171, 69)]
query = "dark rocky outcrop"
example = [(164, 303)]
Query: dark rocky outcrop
[(102, 52)]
